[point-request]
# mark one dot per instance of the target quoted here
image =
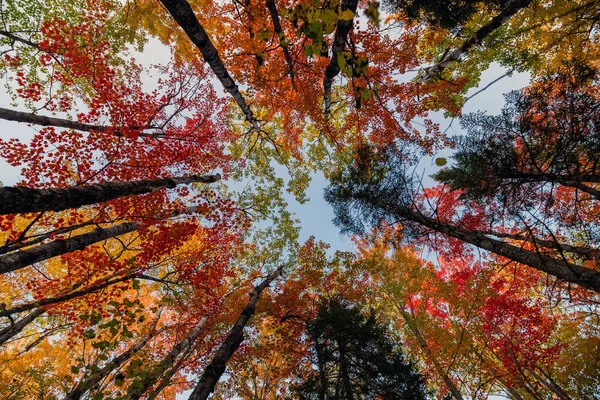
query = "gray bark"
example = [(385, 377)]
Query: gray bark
[(277, 27), (14, 328), (152, 376), (511, 9), (59, 299), (116, 362), (339, 44), (183, 14), (23, 258), (217, 366), (20, 199), (42, 120), (559, 268)]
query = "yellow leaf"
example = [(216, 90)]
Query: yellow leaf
[(347, 15)]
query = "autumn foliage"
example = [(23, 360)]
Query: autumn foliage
[(149, 248)]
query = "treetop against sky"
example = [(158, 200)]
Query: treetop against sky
[(177, 174)]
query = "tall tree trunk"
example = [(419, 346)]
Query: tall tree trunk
[(512, 392), (558, 268), (168, 375), (594, 193), (21, 199), (551, 244), (217, 366), (280, 35), (550, 384), (116, 362), (344, 373), (183, 14), (42, 120), (339, 44), (149, 379), (447, 381), (15, 327), (35, 239), (511, 9), (65, 297), (321, 366), (23, 258)]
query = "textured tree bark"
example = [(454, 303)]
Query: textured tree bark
[(514, 395), (558, 268), (339, 44), (59, 299), (23, 258), (449, 384), (277, 27), (551, 244), (30, 241), (42, 120), (12, 330), (21, 199), (98, 376), (584, 188), (511, 9), (550, 384), (152, 377), (183, 14), (217, 366)]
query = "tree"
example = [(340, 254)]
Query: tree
[(355, 358), (376, 189), (546, 134), (111, 287)]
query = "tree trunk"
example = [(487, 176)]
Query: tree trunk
[(14, 328), (59, 299), (551, 244), (98, 376), (321, 366), (558, 268), (344, 373), (42, 120), (183, 14), (550, 384), (21, 199), (512, 392), (35, 239), (152, 376), (280, 35), (23, 258), (449, 384), (511, 9), (339, 44), (217, 366)]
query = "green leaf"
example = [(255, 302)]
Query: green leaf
[(440, 161), (75, 369), (372, 12), (89, 334), (128, 303), (100, 345), (263, 35), (341, 61), (308, 50), (329, 18)]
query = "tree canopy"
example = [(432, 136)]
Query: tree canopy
[(155, 155)]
